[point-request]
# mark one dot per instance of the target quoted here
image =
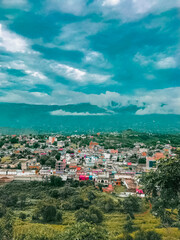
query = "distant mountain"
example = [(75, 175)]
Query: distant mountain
[(82, 118), (79, 108)]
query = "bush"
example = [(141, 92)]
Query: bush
[(93, 215), (96, 211), (22, 216), (56, 181), (128, 227), (152, 235), (149, 235), (126, 237), (54, 193), (77, 202), (48, 212), (85, 231), (83, 215), (91, 196), (131, 204), (2, 211), (59, 216)]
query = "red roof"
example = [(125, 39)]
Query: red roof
[(158, 156)]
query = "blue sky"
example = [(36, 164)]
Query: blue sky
[(92, 51)]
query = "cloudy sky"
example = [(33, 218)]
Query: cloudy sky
[(92, 51)]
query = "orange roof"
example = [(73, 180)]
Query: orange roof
[(72, 166), (158, 156), (150, 158), (114, 151), (78, 168), (34, 167), (93, 143), (144, 154)]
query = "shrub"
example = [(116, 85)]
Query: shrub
[(93, 215), (59, 216), (22, 216), (54, 193), (85, 231), (48, 212), (77, 202), (149, 235), (128, 227), (131, 204)]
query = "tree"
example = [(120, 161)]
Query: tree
[(162, 187), (77, 202), (91, 196), (22, 216), (131, 205), (149, 235), (56, 181), (96, 211), (85, 231), (152, 235), (126, 237), (92, 215), (59, 216), (83, 215), (128, 227), (11, 201), (58, 156), (2, 211), (48, 212), (22, 200)]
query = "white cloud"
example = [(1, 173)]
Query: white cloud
[(110, 2), (160, 101), (167, 62), (14, 3), (4, 81), (160, 61), (77, 75), (11, 42), (76, 7), (36, 74), (142, 60), (74, 36), (64, 113), (97, 59), (130, 10)]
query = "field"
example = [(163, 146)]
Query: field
[(114, 218)]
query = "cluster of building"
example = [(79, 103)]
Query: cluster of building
[(27, 158)]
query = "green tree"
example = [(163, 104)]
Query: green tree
[(128, 227), (85, 231), (149, 235), (59, 216), (131, 204), (48, 212), (56, 181), (162, 187), (22, 216)]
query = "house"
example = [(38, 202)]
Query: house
[(45, 171), (6, 179), (103, 178), (60, 166), (159, 155)]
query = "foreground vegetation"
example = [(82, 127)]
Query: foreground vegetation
[(79, 210)]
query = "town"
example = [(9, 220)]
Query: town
[(109, 160)]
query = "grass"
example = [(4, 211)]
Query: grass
[(115, 221)]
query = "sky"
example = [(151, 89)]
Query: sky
[(102, 52)]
